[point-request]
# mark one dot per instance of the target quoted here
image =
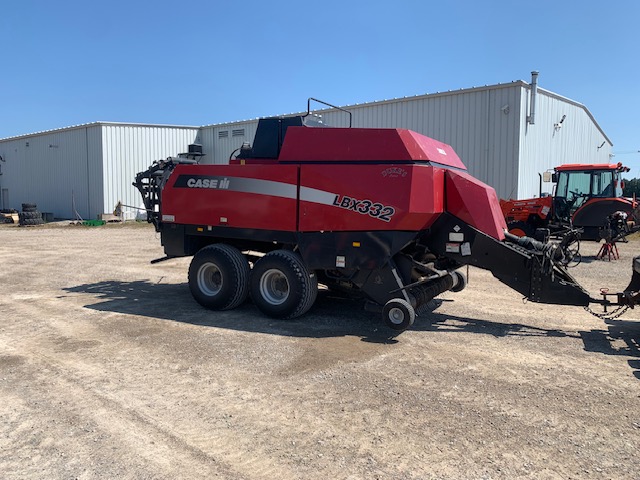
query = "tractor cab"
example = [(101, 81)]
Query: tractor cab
[(576, 184)]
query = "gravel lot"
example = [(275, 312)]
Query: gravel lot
[(109, 369)]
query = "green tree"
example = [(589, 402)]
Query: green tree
[(631, 187)]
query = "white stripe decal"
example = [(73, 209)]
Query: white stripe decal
[(308, 194), (263, 187)]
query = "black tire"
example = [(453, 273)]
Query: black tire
[(29, 215), (462, 282), (398, 314), (282, 286), (521, 229), (29, 207), (219, 277), (32, 221)]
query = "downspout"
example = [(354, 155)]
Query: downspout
[(531, 119)]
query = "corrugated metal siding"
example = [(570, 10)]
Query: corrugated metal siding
[(127, 150), (219, 141), (486, 126), (473, 122), (50, 170), (544, 146)]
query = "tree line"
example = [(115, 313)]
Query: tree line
[(631, 187)]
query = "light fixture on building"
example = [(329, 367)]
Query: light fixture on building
[(558, 126)]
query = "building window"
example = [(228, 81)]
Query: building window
[(223, 133), (238, 132)]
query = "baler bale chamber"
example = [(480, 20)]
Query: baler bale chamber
[(387, 213)]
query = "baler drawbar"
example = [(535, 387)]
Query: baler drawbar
[(388, 213)]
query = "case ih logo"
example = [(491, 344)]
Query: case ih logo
[(201, 181)]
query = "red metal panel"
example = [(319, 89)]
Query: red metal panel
[(304, 144), (369, 197), (239, 196), (587, 166), (475, 203)]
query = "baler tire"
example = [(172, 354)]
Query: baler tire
[(398, 314), (462, 282), (282, 286), (521, 229), (219, 277), (29, 207)]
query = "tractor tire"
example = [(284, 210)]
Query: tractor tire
[(282, 286), (29, 207), (521, 229), (219, 277), (29, 215), (398, 314), (31, 222)]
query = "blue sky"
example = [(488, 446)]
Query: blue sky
[(195, 63)]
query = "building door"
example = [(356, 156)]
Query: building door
[(5, 198)]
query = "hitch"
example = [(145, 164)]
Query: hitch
[(624, 300)]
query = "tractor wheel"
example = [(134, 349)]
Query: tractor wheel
[(462, 282), (398, 314), (27, 215), (282, 286), (521, 229), (219, 277)]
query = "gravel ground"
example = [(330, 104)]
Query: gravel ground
[(109, 369)]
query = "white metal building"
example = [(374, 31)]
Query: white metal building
[(490, 128), (505, 135), (84, 170)]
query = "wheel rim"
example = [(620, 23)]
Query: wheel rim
[(518, 232), (210, 279), (274, 287), (396, 316)]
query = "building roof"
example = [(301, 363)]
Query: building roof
[(94, 124)]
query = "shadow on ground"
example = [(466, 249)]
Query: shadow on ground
[(622, 337), (332, 315)]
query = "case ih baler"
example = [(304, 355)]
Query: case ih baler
[(388, 213)]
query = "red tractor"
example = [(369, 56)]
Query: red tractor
[(585, 197), (388, 214)]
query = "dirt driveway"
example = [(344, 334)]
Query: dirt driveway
[(109, 369)]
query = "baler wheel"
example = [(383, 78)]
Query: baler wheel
[(219, 277), (462, 282), (282, 286), (398, 314)]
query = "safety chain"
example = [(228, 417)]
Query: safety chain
[(609, 315)]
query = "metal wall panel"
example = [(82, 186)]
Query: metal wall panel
[(474, 122), (51, 170), (84, 171), (129, 149), (549, 143), (220, 141), (480, 124), (486, 126)]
